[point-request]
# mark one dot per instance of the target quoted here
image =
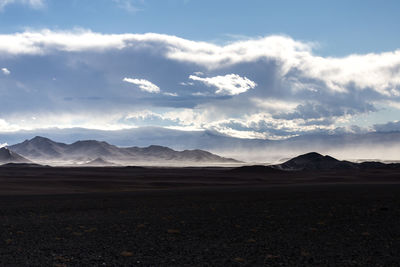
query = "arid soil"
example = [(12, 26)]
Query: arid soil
[(21, 179), (198, 217)]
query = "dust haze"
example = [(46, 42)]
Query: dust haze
[(275, 154)]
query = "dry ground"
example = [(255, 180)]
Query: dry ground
[(197, 217)]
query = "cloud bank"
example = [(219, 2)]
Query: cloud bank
[(271, 87)]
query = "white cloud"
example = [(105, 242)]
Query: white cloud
[(377, 71), (3, 145), (274, 105), (186, 83), (46, 42), (170, 94), (198, 73), (32, 3), (200, 94), (144, 85), (5, 126), (230, 84), (393, 104), (63, 120), (142, 115), (5, 71), (128, 5)]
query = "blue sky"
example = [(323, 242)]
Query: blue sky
[(341, 27), (258, 69)]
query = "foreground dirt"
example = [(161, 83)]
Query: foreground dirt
[(59, 180), (323, 225), (197, 217)]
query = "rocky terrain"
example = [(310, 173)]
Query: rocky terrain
[(309, 225)]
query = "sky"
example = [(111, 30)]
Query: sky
[(249, 69)]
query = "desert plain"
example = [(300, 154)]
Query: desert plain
[(199, 216)]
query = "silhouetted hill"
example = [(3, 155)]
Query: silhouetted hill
[(256, 169), (44, 149), (8, 156), (373, 165), (23, 165), (315, 161)]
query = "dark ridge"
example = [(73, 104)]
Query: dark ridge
[(255, 169), (24, 165), (315, 161), (394, 165), (372, 165), (134, 168)]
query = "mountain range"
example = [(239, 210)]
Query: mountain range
[(96, 153), (92, 152), (351, 146)]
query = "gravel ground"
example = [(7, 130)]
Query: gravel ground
[(292, 225)]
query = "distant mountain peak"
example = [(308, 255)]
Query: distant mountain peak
[(311, 155), (90, 143), (38, 147), (39, 139), (158, 148)]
